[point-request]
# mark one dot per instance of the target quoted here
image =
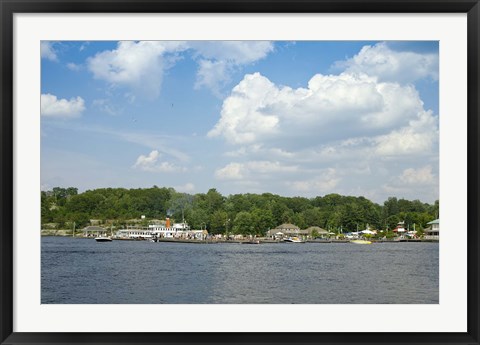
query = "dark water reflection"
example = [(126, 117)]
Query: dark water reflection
[(84, 271)]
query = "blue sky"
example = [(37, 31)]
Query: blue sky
[(291, 118)]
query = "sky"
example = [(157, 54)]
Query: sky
[(301, 118)]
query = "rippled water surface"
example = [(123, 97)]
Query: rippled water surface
[(84, 271)]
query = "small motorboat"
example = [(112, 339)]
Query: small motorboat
[(361, 242), (103, 239), (293, 240)]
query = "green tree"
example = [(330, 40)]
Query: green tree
[(299, 221), (392, 221), (313, 217), (287, 216), (244, 223), (197, 218), (81, 219), (390, 207), (218, 222), (262, 220), (332, 211), (215, 200)]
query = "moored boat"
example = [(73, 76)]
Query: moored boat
[(361, 242), (103, 239), (293, 240)]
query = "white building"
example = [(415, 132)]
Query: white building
[(433, 232)]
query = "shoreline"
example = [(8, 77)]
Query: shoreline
[(246, 241)]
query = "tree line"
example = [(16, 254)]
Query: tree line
[(238, 213)]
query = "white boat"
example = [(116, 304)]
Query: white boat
[(103, 239), (293, 239), (361, 242), (157, 231)]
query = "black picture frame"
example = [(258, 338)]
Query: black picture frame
[(10, 7)]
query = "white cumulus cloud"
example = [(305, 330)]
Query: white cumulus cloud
[(152, 163), (186, 188), (344, 133), (47, 51), (253, 169), (422, 176), (218, 59), (237, 52), (138, 65), (212, 74), (331, 109), (389, 65), (418, 137), (414, 183), (141, 65), (51, 106), (74, 67), (232, 171)]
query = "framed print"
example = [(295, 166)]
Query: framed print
[(239, 172)]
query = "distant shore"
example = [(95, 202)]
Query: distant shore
[(68, 233)]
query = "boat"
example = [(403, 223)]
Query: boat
[(161, 231), (293, 239), (361, 242), (103, 239)]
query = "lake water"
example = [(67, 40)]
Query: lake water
[(84, 271)]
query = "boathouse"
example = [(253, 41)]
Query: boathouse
[(93, 231)]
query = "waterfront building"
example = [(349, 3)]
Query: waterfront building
[(320, 232), (93, 231), (432, 232), (285, 229), (400, 229)]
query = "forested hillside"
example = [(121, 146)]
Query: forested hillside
[(240, 213)]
